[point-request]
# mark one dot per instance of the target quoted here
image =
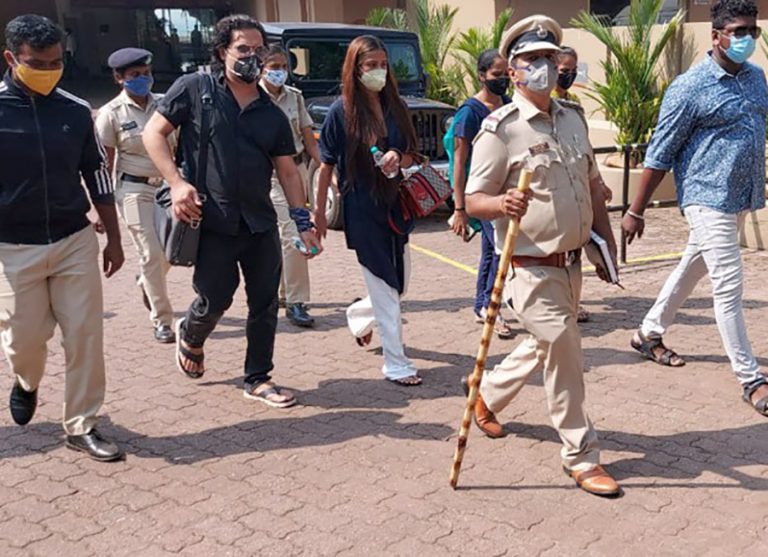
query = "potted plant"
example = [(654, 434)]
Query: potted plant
[(630, 97)]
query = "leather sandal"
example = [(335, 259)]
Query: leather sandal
[(760, 405), (484, 419), (648, 347), (184, 352), (596, 481)]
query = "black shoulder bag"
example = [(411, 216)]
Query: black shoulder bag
[(180, 240)]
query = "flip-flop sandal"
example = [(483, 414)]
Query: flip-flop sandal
[(647, 347), (262, 396), (502, 330), (364, 340), (183, 351), (404, 381), (760, 405), (583, 316)]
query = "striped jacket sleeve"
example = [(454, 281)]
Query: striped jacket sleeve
[(93, 167)]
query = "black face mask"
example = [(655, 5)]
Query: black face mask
[(248, 69), (566, 79), (498, 86)]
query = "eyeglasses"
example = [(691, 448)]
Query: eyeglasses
[(741, 32), (259, 51)]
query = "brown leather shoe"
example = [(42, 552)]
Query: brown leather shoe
[(485, 420), (596, 481)]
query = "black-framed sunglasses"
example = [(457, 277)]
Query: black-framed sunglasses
[(245, 50), (740, 32)]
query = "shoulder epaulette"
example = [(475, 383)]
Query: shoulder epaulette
[(293, 89), (570, 104), (492, 121)]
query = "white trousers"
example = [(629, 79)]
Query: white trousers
[(713, 248), (382, 308)]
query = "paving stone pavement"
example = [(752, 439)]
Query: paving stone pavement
[(361, 467)]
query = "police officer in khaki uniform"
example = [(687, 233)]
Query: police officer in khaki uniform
[(119, 124), (548, 137), (294, 285)]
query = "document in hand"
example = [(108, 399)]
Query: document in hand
[(599, 255)]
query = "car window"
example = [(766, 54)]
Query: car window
[(321, 60)]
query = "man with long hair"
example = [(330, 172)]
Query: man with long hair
[(250, 137), (711, 131)]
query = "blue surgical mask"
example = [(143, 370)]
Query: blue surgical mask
[(140, 85), (276, 77), (740, 49)]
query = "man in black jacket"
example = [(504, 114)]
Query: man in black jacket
[(49, 271)]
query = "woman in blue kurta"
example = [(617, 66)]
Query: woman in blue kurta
[(492, 72), (370, 114)]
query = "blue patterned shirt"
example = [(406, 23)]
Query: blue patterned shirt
[(711, 132)]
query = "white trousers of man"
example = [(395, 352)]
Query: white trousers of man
[(382, 308), (713, 248)]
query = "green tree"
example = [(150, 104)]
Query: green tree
[(462, 77), (632, 91), (433, 26)]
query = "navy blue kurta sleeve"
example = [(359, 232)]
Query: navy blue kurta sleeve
[(366, 219)]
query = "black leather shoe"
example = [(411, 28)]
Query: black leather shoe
[(164, 334), (95, 446), (297, 314), (144, 297), (23, 404)]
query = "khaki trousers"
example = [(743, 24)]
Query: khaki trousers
[(136, 203), (546, 301), (45, 285), (294, 283)]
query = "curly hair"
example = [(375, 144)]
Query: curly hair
[(222, 35), (724, 11), (37, 31)]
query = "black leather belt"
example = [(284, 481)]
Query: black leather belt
[(141, 179)]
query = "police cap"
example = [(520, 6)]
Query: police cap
[(126, 57), (536, 32)]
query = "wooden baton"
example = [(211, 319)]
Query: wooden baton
[(485, 342)]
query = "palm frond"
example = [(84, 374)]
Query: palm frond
[(630, 95)]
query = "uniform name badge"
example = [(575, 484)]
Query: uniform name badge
[(538, 149)]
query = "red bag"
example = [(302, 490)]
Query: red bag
[(423, 192)]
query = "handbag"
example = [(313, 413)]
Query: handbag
[(424, 191), (180, 240)]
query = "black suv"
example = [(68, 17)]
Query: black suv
[(317, 53)]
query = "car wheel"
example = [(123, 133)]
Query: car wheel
[(333, 213)]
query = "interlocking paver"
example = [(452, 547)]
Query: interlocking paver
[(361, 467)]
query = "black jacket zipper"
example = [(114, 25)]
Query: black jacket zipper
[(44, 168)]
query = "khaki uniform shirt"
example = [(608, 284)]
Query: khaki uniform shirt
[(556, 148), (291, 102), (120, 124)]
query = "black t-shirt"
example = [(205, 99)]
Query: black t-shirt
[(243, 143)]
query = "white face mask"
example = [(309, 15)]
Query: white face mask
[(541, 76), (375, 80), (276, 77)]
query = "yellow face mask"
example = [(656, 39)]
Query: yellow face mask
[(39, 81)]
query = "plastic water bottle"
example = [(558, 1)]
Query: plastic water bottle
[(378, 155), (299, 245)]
